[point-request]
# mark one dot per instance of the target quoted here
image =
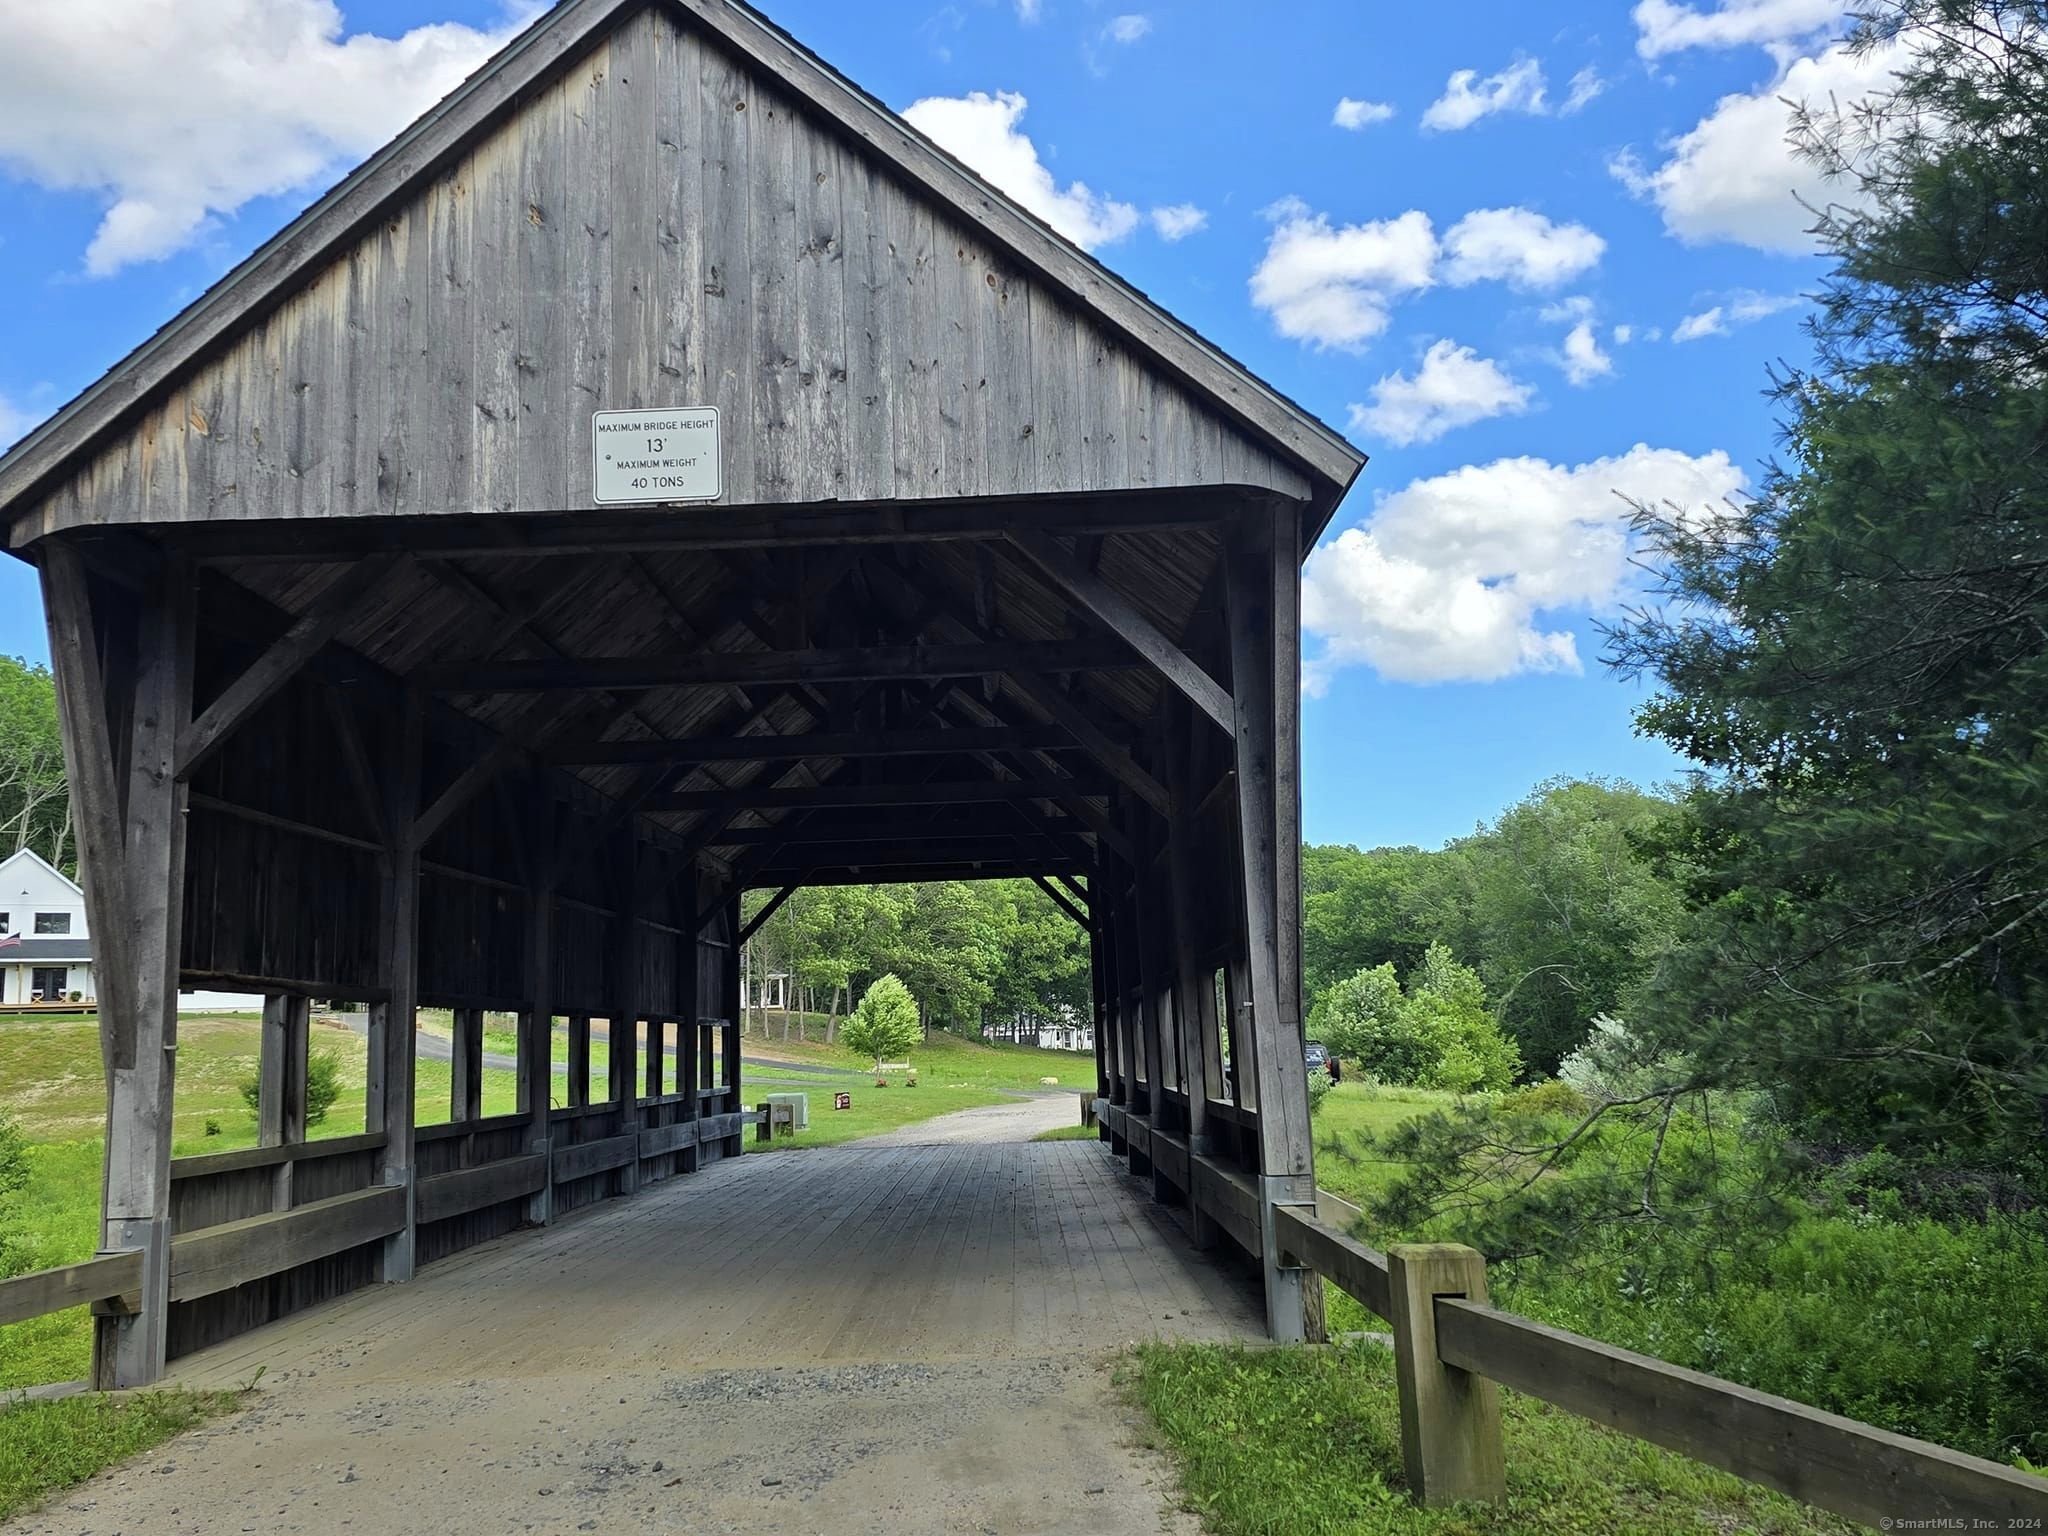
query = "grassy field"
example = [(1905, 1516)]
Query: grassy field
[(48, 1447), (1307, 1442), (952, 1073)]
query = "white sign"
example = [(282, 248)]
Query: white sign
[(655, 455)]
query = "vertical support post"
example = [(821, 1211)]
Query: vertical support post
[(1450, 1418), (1158, 1107), (657, 1046), (281, 1085), (624, 1003), (1193, 1013), (1262, 580), (395, 1021), (466, 1066), (1096, 1009), (1103, 910), (688, 1027), (537, 1026), (729, 1103), (579, 1060), (131, 831)]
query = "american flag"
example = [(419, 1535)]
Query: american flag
[(10, 941)]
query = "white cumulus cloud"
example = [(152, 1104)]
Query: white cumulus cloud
[(1332, 285), (1744, 308), (982, 131), (1517, 246), (1127, 29), (1360, 114), (1585, 85), (176, 114), (1467, 98), (1582, 359), (1453, 388), (1733, 176), (1465, 576), (1177, 221), (1662, 27), (15, 421)]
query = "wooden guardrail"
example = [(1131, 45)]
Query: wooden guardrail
[(52, 1290), (1451, 1347)]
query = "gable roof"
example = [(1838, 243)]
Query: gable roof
[(553, 44), (30, 856)]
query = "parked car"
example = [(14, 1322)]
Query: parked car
[(1317, 1055)]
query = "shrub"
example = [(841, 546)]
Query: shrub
[(1549, 1097), (1435, 1033), (1614, 1064), (1360, 1019), (885, 1022), (323, 1086), (1917, 1326), (1319, 1086)]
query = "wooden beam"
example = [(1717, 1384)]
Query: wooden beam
[(95, 796), (394, 1021), (815, 834), (1011, 868), (1260, 580), (533, 727), (44, 1291), (597, 533), (830, 796), (1093, 738), (767, 911), (537, 1022), (269, 672), (833, 744), (1064, 712), (705, 668), (1059, 900), (1076, 582)]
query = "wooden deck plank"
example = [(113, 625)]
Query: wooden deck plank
[(843, 1254)]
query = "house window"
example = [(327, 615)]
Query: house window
[(53, 922), (47, 982), (6, 924)]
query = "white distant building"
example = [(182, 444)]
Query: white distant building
[(46, 944), (1070, 1031), (45, 954)]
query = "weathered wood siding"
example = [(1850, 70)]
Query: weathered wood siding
[(658, 227)]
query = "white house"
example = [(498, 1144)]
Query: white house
[(46, 945), (45, 953)]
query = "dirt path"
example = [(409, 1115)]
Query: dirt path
[(1022, 1120), (915, 1340)]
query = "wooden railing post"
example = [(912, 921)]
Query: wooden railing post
[(1450, 1418)]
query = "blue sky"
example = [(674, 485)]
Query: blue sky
[(1527, 261)]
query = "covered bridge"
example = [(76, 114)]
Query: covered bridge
[(658, 474)]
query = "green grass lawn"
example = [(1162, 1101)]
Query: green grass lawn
[(1307, 1442), (48, 1447), (952, 1073), (51, 1083)]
